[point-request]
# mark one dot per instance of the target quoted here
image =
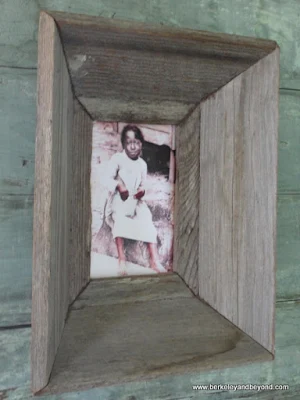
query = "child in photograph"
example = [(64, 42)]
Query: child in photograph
[(126, 212)]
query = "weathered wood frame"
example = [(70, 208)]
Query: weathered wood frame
[(221, 92)]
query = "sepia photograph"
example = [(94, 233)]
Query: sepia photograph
[(132, 184)]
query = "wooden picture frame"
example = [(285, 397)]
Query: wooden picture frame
[(217, 308)]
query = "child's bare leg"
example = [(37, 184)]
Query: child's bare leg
[(154, 258), (121, 255), (120, 248)]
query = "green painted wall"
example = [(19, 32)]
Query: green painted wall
[(274, 19)]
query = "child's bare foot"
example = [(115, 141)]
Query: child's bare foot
[(156, 265), (122, 270)]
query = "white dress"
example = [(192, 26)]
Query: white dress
[(131, 218)]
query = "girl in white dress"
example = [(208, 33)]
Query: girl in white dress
[(126, 212)]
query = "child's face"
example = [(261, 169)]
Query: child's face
[(132, 146)]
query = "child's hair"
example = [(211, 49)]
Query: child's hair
[(137, 133)]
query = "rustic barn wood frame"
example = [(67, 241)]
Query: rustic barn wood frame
[(217, 308)]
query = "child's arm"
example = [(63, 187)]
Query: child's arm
[(111, 180), (141, 189), (122, 189)]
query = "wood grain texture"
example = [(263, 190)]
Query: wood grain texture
[(51, 203), (217, 273), (124, 290), (80, 202), (238, 174), (104, 344), (137, 111), (254, 197), (111, 59), (284, 369), (17, 91), (271, 19), (115, 33), (186, 214)]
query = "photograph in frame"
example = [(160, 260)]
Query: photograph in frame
[(132, 190)]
